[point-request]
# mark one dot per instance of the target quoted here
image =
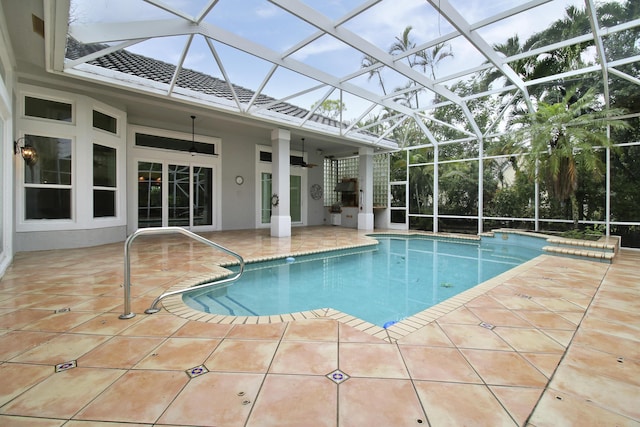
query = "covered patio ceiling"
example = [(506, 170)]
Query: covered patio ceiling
[(279, 60)]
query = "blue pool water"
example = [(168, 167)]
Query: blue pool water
[(383, 283)]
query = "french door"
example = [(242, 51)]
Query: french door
[(295, 194), (174, 194)]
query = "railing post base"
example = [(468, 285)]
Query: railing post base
[(126, 316), (152, 310)]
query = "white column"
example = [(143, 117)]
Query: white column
[(365, 188), (280, 214)]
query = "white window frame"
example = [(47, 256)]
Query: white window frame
[(82, 135)]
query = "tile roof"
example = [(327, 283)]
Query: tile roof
[(152, 69)]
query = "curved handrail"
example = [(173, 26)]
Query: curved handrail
[(128, 314)]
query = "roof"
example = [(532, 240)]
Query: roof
[(123, 61)]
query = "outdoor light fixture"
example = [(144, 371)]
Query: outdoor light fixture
[(193, 150), (28, 152)]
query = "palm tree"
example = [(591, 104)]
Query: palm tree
[(368, 61), (562, 138), (429, 58)]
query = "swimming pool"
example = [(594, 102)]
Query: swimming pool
[(383, 283)]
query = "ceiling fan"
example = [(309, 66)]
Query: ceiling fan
[(301, 162)]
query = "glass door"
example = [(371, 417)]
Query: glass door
[(149, 194), (174, 195), (179, 212), (398, 205), (295, 194)]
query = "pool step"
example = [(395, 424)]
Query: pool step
[(604, 249)]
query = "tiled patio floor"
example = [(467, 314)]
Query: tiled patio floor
[(563, 349)]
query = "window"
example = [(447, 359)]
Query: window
[(104, 181), (105, 122), (48, 181), (46, 109), (166, 143)]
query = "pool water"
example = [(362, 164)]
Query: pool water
[(383, 283)]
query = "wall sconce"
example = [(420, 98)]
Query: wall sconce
[(28, 152)]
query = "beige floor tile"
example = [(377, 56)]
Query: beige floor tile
[(18, 377), (462, 315), (499, 317), (514, 302), (605, 342), (312, 330), (544, 362), (179, 354), (14, 421), (529, 340), (559, 304), (599, 363), (74, 423), (484, 301), (464, 336), (371, 360), (351, 334), (14, 343), (287, 400), (60, 322), (504, 368), (63, 394), (234, 393), (24, 301), (156, 325), (619, 330), (561, 409), (233, 355), (430, 335), (561, 336), (450, 404), (148, 394), (377, 402), (203, 330), (99, 304), (268, 331), (62, 348), (546, 320), (518, 401), (438, 364), (105, 324), (120, 352), (305, 358), (20, 318)]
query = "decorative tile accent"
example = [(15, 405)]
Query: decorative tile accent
[(197, 371), (65, 366), (338, 376), (487, 325)]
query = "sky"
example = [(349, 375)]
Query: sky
[(264, 23)]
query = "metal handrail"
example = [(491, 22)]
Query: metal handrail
[(128, 314)]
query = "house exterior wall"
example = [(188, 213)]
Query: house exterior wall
[(236, 204)]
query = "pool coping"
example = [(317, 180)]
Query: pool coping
[(175, 305)]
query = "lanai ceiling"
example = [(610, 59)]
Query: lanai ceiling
[(277, 60)]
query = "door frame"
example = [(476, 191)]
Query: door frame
[(137, 154), (261, 167)]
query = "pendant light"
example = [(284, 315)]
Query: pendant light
[(193, 149)]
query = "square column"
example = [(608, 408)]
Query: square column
[(280, 212), (365, 178)]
